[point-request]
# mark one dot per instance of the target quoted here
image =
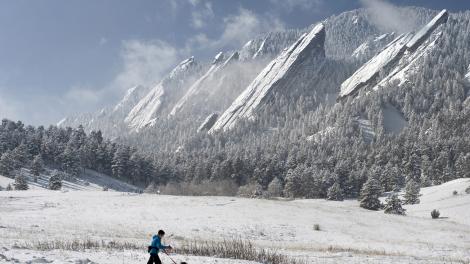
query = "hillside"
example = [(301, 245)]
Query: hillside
[(88, 180)]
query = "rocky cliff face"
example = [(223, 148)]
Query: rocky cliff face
[(396, 59), (145, 112), (280, 74)]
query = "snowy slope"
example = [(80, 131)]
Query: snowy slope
[(218, 64), (454, 208), (130, 99), (88, 181), (396, 58), (275, 75), (147, 109), (372, 46), (349, 234)]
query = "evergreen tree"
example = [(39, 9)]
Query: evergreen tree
[(120, 163), (393, 205), (21, 183), (293, 185), (6, 164), (9, 188), (55, 181), (412, 190), (370, 194), (335, 192), (37, 166)]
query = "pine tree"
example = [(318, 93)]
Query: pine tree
[(412, 190), (370, 194), (20, 183), (9, 188), (6, 164), (393, 205), (293, 185), (37, 166), (120, 162), (55, 181), (335, 192)]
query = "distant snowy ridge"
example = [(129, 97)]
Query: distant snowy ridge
[(218, 64), (403, 45), (274, 75), (146, 110)]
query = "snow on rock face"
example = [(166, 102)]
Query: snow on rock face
[(269, 46), (217, 65), (275, 75), (370, 47), (467, 76), (422, 34), (371, 69), (404, 49), (208, 122), (130, 99), (146, 110)]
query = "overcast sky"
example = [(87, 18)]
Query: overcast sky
[(62, 57)]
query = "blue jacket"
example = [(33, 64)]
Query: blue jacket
[(156, 245)]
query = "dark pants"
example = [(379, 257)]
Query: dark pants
[(154, 259)]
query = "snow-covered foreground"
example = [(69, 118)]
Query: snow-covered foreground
[(348, 233)]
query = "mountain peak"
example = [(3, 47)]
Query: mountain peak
[(274, 76)]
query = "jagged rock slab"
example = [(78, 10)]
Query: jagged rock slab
[(130, 99), (370, 70), (408, 64), (406, 45), (205, 80), (275, 75), (146, 110), (424, 33), (208, 122)]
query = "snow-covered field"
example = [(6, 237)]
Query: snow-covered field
[(348, 233)]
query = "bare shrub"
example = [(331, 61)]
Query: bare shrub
[(316, 227), (236, 249), (435, 214), (230, 249)]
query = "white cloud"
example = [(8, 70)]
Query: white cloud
[(388, 17), (202, 14), (237, 30), (290, 5), (145, 62), (83, 95)]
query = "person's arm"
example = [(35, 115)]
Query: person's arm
[(161, 246)]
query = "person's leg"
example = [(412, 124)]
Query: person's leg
[(157, 260), (150, 260)]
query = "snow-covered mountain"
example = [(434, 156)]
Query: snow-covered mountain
[(162, 95), (396, 60), (282, 73), (218, 64), (195, 91)]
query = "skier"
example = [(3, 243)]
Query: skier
[(155, 247)]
